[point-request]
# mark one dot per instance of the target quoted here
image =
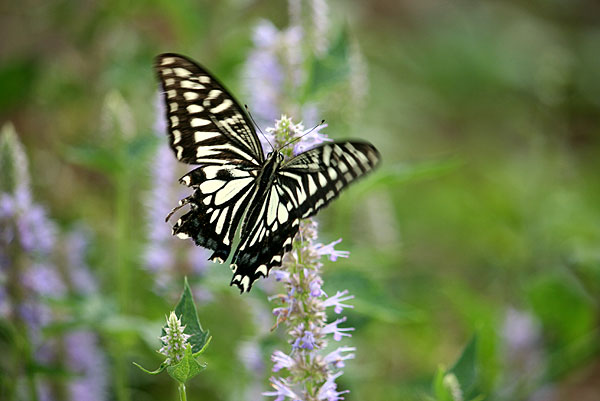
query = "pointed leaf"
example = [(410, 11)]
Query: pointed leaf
[(465, 368), (155, 372), (186, 311), (187, 368)]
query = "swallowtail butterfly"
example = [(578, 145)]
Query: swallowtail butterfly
[(207, 127)]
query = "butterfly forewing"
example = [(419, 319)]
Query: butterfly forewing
[(316, 177), (206, 124)]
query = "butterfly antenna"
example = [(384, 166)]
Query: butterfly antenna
[(257, 126), (303, 135)]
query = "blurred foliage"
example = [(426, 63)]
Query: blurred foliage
[(487, 115)]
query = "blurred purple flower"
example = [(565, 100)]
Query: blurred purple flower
[(88, 362)]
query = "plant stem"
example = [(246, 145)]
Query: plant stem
[(121, 275), (182, 394)]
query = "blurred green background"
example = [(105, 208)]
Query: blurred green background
[(483, 219)]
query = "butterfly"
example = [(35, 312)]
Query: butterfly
[(234, 179)]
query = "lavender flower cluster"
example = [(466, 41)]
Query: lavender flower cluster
[(29, 275), (310, 374)]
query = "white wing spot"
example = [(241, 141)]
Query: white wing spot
[(190, 96), (207, 200), (173, 107), (203, 152), (191, 85), (214, 216), (200, 136), (312, 187), (343, 168), (199, 122), (262, 269), (171, 93), (330, 195), (273, 203), (348, 177), (211, 171), (221, 221), (169, 81), (182, 72), (210, 186), (186, 180), (282, 213), (276, 258), (167, 61), (222, 107), (194, 108), (182, 235), (176, 136), (339, 185), (245, 282), (179, 151), (322, 180), (174, 121), (332, 173), (326, 155)]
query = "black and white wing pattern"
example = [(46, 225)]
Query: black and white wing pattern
[(207, 127), (221, 196), (301, 187), (206, 124), (315, 177)]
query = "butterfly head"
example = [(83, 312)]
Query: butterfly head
[(276, 155)]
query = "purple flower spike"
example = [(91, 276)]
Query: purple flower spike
[(301, 308), (323, 250), (338, 333), (282, 361), (282, 390), (337, 300), (328, 392), (336, 358)]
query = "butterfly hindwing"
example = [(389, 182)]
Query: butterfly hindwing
[(267, 234), (206, 124), (222, 194)]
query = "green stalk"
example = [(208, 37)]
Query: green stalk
[(182, 394), (121, 275)]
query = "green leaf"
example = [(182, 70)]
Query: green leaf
[(465, 368), (187, 368), (155, 372), (186, 311)]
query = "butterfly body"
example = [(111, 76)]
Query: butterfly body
[(234, 180)]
